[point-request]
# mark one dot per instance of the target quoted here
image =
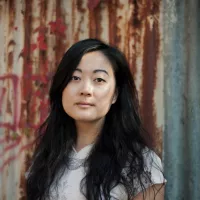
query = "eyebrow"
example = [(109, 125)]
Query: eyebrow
[(95, 71)]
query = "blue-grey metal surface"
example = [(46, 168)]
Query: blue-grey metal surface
[(181, 32)]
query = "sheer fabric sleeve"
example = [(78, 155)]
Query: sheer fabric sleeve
[(153, 172)]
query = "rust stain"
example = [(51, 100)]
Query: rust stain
[(112, 22), (92, 4), (60, 40), (73, 20), (22, 177), (117, 35), (80, 7), (12, 14), (1, 11), (2, 96), (95, 21), (42, 53), (27, 68), (26, 112), (11, 43), (126, 49), (9, 107), (136, 15), (10, 61), (149, 70), (135, 31)]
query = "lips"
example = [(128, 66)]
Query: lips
[(84, 104)]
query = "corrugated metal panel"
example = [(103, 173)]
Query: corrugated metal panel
[(182, 99), (35, 35)]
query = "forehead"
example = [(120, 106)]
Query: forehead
[(95, 60)]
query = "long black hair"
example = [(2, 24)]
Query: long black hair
[(119, 145)]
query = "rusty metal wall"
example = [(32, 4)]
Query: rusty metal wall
[(33, 37)]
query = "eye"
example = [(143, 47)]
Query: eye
[(75, 78), (99, 80)]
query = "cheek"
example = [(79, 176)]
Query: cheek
[(69, 92), (67, 95), (105, 96)]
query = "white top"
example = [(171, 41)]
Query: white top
[(69, 185)]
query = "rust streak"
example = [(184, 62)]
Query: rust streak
[(27, 73), (92, 4), (22, 179), (80, 7), (42, 53), (135, 29), (10, 61), (149, 70), (60, 40), (27, 68), (112, 22), (12, 14), (95, 21)]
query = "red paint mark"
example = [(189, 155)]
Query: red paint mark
[(41, 42), (92, 4), (38, 97), (14, 157), (40, 37), (42, 45), (11, 146), (58, 27), (41, 30), (15, 28), (40, 94), (33, 47), (15, 82)]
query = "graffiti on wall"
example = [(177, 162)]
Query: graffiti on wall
[(24, 98)]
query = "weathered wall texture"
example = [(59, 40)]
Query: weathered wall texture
[(181, 55), (35, 34)]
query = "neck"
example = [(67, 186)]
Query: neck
[(87, 133)]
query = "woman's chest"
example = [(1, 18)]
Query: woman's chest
[(69, 187)]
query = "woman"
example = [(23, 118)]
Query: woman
[(92, 145)]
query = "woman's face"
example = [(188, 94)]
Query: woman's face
[(91, 91)]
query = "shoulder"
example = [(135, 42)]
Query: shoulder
[(153, 165), (153, 171)]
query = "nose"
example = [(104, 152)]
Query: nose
[(86, 88)]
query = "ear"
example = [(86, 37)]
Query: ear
[(115, 96)]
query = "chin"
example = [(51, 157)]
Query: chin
[(86, 118)]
